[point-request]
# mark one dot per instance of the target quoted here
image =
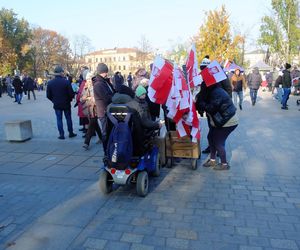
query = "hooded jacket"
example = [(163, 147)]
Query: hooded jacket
[(286, 79), (254, 79)]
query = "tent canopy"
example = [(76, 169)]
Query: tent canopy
[(261, 66), (232, 68)]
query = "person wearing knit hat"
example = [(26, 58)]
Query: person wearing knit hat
[(103, 93), (102, 68), (286, 85), (204, 63), (140, 92)]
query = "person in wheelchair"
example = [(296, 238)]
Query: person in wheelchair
[(141, 122)]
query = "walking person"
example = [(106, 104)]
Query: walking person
[(9, 86), (254, 82), (29, 82), (87, 100), (18, 86), (238, 83), (60, 92), (103, 92), (286, 85)]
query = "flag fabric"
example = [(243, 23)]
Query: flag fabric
[(193, 74), (160, 82), (227, 64), (168, 86), (213, 73)]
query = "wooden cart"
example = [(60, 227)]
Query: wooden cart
[(181, 148)]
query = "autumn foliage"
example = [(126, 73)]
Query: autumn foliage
[(215, 39)]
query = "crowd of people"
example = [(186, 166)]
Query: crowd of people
[(18, 86), (94, 92)]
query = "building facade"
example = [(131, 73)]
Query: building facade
[(124, 60)]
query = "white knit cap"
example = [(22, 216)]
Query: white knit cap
[(205, 62)]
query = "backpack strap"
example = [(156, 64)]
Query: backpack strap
[(112, 118), (127, 117)]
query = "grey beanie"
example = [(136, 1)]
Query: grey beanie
[(102, 68)]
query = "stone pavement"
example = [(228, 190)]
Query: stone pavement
[(49, 197)]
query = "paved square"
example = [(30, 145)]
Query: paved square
[(49, 196)]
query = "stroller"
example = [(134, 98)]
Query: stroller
[(144, 160)]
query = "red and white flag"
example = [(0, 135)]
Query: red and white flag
[(193, 73), (213, 73), (160, 82), (227, 64)]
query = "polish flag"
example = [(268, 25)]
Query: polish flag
[(213, 73), (193, 73), (160, 82)]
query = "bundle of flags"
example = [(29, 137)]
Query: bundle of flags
[(168, 85)]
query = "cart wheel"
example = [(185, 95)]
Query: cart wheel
[(170, 162), (105, 182), (194, 164), (142, 184), (156, 172)]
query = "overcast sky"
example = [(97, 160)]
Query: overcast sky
[(121, 23)]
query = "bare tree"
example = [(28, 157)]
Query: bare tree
[(144, 51)]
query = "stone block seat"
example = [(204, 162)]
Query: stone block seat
[(19, 130)]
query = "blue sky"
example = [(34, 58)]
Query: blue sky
[(117, 23)]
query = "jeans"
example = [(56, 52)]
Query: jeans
[(236, 94), (217, 138), (285, 97), (279, 94), (59, 121), (253, 95), (19, 97)]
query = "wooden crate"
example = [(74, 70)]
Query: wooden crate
[(182, 147)]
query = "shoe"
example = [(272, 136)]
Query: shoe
[(84, 136), (85, 146), (221, 166), (286, 108), (61, 137), (209, 163), (240, 107), (72, 135), (206, 151), (81, 129)]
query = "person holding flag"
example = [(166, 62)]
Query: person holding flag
[(221, 113)]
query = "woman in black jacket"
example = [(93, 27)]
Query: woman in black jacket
[(221, 114)]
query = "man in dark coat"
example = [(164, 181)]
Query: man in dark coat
[(60, 92), (103, 92), (29, 83), (286, 85), (18, 85)]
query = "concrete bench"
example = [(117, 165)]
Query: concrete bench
[(20, 130)]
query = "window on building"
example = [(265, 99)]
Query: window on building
[(96, 59), (90, 60), (124, 67), (119, 59), (109, 68), (124, 58), (115, 67), (104, 59), (119, 67), (101, 59), (114, 59)]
